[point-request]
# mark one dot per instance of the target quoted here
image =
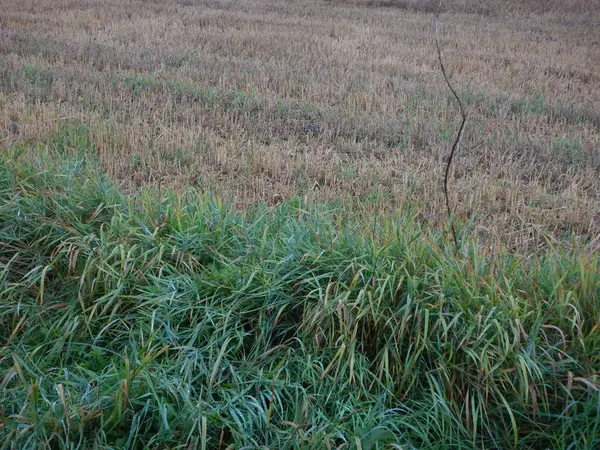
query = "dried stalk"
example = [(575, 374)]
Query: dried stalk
[(460, 130)]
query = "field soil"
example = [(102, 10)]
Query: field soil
[(263, 100)]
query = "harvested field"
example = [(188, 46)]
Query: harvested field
[(260, 101)]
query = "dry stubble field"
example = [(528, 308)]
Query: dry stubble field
[(265, 100)]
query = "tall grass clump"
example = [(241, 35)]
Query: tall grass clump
[(170, 321)]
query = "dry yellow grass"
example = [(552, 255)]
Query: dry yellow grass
[(264, 100)]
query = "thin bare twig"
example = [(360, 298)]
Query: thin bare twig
[(460, 130)]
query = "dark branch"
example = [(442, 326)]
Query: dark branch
[(460, 130)]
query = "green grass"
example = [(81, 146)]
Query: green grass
[(170, 321)]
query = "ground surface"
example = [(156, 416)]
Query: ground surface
[(267, 100)]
